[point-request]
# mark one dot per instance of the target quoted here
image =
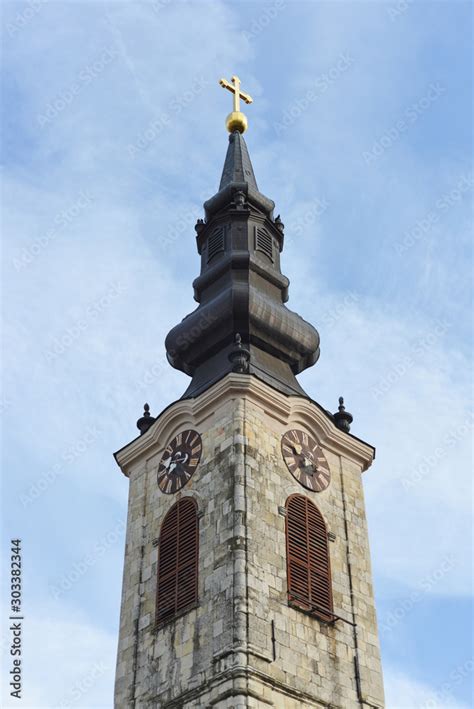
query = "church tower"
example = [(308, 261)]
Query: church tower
[(247, 578)]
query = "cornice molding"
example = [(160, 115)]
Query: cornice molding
[(286, 410)]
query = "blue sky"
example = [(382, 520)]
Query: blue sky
[(114, 136)]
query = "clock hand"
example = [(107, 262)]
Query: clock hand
[(308, 463), (177, 461)]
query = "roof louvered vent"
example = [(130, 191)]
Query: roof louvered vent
[(263, 242), (215, 243)]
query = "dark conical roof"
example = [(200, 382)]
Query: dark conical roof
[(238, 177), (237, 165)]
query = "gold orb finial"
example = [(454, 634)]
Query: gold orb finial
[(236, 120)]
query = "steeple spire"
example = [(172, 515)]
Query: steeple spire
[(241, 291)]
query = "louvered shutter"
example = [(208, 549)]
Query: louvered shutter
[(263, 242), (178, 560), (308, 568), (215, 243)]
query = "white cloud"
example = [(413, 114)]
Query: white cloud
[(404, 692)]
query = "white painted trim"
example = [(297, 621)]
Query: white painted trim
[(288, 411)]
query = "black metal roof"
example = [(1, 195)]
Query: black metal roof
[(241, 290)]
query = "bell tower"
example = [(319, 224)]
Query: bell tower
[(247, 578)]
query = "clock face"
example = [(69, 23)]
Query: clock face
[(305, 460), (179, 461)]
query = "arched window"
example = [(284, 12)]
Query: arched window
[(178, 551), (307, 557)]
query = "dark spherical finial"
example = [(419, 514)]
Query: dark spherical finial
[(279, 224), (239, 356), (145, 421), (239, 199), (343, 418), (200, 225)]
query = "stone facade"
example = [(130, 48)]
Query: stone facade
[(243, 646)]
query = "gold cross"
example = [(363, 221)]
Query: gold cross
[(234, 88)]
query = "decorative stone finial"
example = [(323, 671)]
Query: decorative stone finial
[(240, 357), (343, 418), (239, 199), (279, 224), (200, 225), (236, 120), (147, 420)]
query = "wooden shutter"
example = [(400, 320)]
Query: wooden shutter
[(308, 567), (178, 560)]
